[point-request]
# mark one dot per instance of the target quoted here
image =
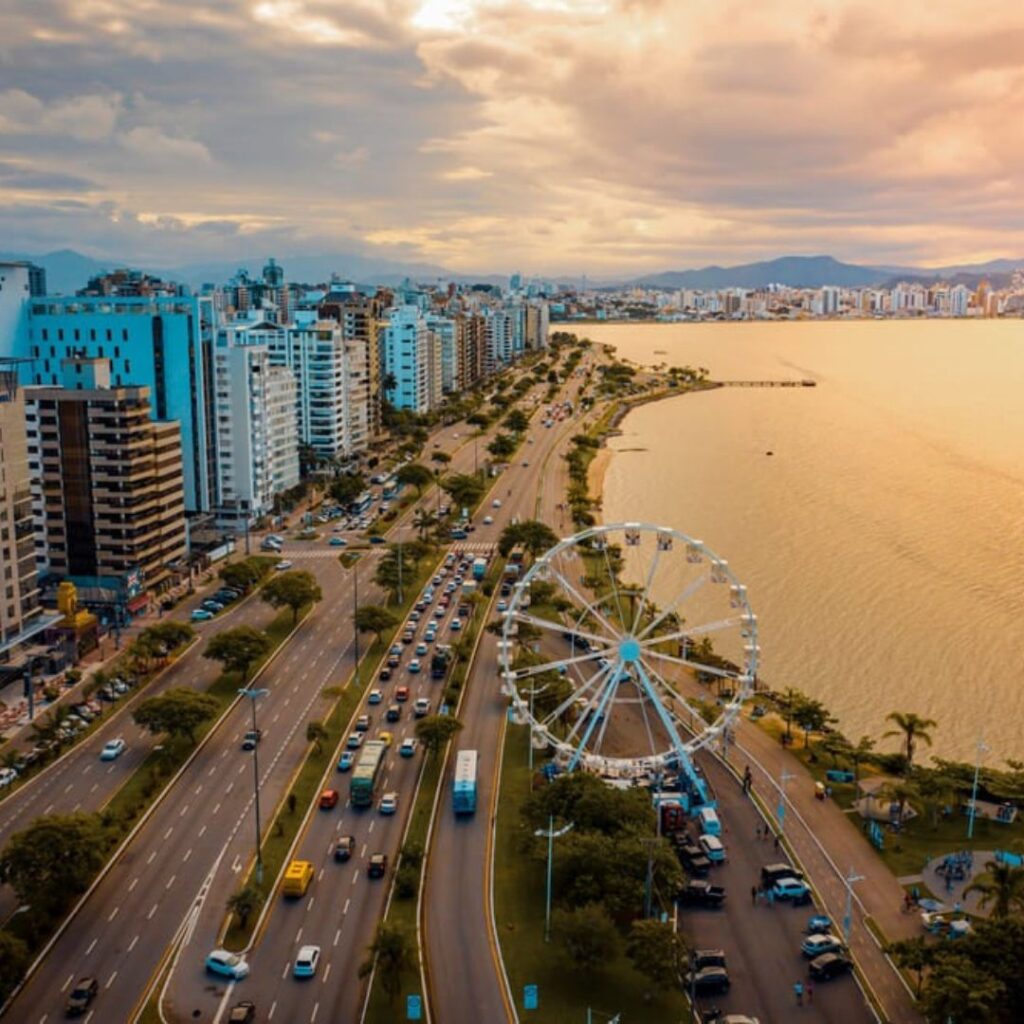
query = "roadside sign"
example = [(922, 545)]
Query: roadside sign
[(529, 997), (413, 1008)]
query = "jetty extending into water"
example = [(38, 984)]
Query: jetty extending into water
[(805, 383)]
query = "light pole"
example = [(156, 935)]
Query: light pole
[(30, 690), (355, 610), (252, 695), (534, 690), (972, 811), (848, 916), (780, 811), (551, 835)]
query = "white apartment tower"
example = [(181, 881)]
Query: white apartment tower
[(412, 360)]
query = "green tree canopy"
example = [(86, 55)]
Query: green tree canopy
[(657, 951), (392, 953), (347, 487), (14, 961), (178, 712), (517, 421), (371, 618), (53, 859), (503, 446), (435, 731), (244, 902), (465, 490), (247, 573), (316, 733), (587, 935), (414, 474), (440, 457), (536, 537), (238, 649), (913, 728), (293, 590), (1001, 887)]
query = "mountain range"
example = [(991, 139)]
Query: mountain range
[(68, 270)]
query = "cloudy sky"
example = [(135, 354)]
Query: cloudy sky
[(543, 135)]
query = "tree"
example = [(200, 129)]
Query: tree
[(535, 536), (812, 716), (959, 991), (347, 487), (414, 474), (244, 903), (465, 490), (292, 590), (517, 421), (912, 728), (912, 955), (237, 649), (371, 618), (53, 859), (423, 520), (587, 935), (178, 712), (440, 457), (435, 731), (394, 568), (316, 733), (478, 419), (859, 753), (245, 574), (392, 953), (657, 951), (901, 792), (503, 446), (14, 961), (835, 745), (1002, 886)]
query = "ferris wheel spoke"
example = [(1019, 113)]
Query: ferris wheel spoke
[(576, 695), (647, 589), (678, 697), (594, 700), (602, 709), (553, 666), (666, 719), (692, 631), (696, 665), (647, 725), (558, 627), (588, 607), (685, 594), (615, 587)]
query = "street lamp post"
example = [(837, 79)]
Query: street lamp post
[(972, 811), (355, 609), (534, 690), (848, 916), (780, 811), (551, 835), (252, 694)]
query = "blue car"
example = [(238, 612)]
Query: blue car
[(819, 924), (346, 761), (376, 539), (201, 615), (337, 542)]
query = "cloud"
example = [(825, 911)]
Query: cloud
[(87, 118), (153, 145)]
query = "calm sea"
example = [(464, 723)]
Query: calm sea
[(882, 542)]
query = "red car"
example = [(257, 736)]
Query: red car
[(328, 799), (402, 693)]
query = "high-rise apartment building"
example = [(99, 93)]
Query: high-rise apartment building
[(446, 332), (19, 282), (412, 360), (108, 480), (20, 611)]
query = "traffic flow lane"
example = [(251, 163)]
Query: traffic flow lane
[(189, 834)]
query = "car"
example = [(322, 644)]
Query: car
[(496, 503), (112, 749), (328, 799), (771, 873), (708, 958), (408, 747), (414, 666), (526, 463), (337, 542), (386, 738), (700, 893), (389, 803), (377, 539), (251, 738), (393, 662), (354, 741), (213, 606), (439, 612), (503, 605), (283, 565), (84, 992), (422, 707), (795, 889), (385, 672), (456, 625), (347, 759), (7, 776), (377, 866), (430, 636), (242, 1013), (201, 615), (306, 962), (819, 943), (363, 723), (394, 713), (344, 848), (227, 964), (829, 965), (712, 847), (376, 696), (408, 636), (818, 924), (402, 694), (421, 648), (708, 979), (414, 616)]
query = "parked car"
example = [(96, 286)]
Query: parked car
[(700, 893), (201, 615), (815, 945), (712, 846), (708, 979), (708, 958), (227, 964), (213, 606), (771, 873), (7, 776), (112, 749), (337, 542), (793, 889), (306, 962), (829, 965), (82, 995), (283, 565)]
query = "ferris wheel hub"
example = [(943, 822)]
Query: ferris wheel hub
[(629, 649)]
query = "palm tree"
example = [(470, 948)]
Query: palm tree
[(423, 521), (859, 753), (1002, 885), (912, 728), (244, 903), (316, 733), (901, 792)]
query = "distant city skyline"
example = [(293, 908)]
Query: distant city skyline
[(555, 137)]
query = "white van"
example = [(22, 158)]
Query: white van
[(710, 823)]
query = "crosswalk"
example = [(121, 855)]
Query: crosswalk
[(473, 548)]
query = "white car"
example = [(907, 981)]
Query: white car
[(389, 803), (227, 964), (283, 565), (496, 503), (306, 962), (113, 749), (488, 520), (7, 776)]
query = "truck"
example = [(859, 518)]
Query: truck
[(464, 783), (363, 783), (479, 568), (439, 662), (699, 892), (297, 878)]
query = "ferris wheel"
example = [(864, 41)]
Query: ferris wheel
[(627, 648)]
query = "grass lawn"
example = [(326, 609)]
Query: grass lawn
[(565, 993)]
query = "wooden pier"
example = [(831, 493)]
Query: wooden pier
[(767, 383)]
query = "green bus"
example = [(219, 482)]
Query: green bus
[(366, 772)]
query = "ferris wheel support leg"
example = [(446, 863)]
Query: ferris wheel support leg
[(677, 741), (602, 707)]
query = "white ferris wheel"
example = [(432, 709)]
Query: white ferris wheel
[(628, 679)]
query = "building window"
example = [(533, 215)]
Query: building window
[(78, 334), (46, 334)]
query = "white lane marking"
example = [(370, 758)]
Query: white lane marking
[(231, 786), (355, 876), (201, 831), (309, 905), (188, 853), (47, 811), (298, 936), (183, 812), (69, 787), (284, 973), (92, 946), (95, 786), (273, 1007), (167, 834), (216, 809), (113, 914), (362, 856), (134, 882), (337, 936), (327, 973), (110, 980), (199, 789), (320, 877), (312, 1016), (132, 946), (370, 829), (224, 1001), (170, 881), (151, 857), (212, 770), (110, 769), (64, 987), (152, 911), (344, 910), (88, 1016)]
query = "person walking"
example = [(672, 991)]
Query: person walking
[(776, 840), (753, 895), (810, 991), (798, 991)]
